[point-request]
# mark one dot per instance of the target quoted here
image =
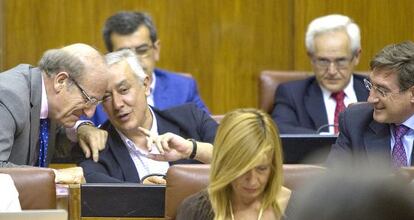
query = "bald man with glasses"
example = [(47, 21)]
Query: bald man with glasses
[(34, 101), (313, 105)]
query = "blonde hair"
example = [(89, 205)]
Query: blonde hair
[(243, 138)]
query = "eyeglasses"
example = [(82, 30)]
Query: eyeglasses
[(141, 51), (89, 100), (381, 91), (340, 63)]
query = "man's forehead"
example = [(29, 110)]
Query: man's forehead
[(139, 37)]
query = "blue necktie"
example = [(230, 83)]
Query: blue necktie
[(43, 141)]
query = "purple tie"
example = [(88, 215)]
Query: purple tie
[(399, 157)]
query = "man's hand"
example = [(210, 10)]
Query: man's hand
[(171, 146), (91, 139), (154, 180), (69, 175)]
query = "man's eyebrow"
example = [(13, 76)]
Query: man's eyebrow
[(122, 83)]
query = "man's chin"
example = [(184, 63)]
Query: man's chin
[(378, 117), (333, 87)]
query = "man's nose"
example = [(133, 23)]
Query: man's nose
[(372, 98), (332, 68), (89, 111)]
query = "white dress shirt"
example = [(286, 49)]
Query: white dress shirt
[(9, 197), (143, 164)]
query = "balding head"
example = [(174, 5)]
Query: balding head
[(77, 65)]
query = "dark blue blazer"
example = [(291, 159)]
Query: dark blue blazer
[(299, 106), (361, 138), (115, 163), (170, 90)]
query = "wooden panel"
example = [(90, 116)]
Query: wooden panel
[(2, 34), (382, 22), (224, 44)]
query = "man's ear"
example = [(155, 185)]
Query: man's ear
[(157, 49), (411, 90), (61, 80), (147, 86), (357, 55)]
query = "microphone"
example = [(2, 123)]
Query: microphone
[(325, 126)]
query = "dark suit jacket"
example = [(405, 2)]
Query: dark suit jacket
[(299, 106), (170, 90), (115, 163), (361, 139), (20, 100)]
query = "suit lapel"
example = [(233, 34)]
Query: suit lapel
[(122, 156), (315, 106), (35, 101), (377, 141), (164, 125)]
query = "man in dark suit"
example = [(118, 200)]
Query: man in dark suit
[(139, 133), (383, 127), (136, 31), (313, 105), (69, 82)]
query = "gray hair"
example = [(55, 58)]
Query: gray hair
[(132, 60), (58, 60), (331, 23), (400, 58)]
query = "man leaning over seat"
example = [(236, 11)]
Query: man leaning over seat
[(69, 82)]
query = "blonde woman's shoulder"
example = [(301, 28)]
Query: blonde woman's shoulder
[(283, 198)]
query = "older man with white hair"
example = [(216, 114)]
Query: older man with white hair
[(313, 105)]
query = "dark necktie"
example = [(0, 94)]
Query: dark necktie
[(399, 156), (43, 141), (340, 107)]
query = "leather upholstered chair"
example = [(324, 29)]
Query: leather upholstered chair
[(270, 80), (186, 179), (36, 186)]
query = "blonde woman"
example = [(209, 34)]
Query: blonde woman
[(246, 172)]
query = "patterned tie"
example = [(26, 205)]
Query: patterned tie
[(43, 141), (399, 157), (340, 107)]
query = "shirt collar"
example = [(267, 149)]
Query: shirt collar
[(44, 110), (409, 122)]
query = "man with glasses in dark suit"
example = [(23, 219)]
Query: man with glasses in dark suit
[(313, 105), (383, 127)]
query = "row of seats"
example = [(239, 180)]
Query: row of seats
[(37, 189)]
